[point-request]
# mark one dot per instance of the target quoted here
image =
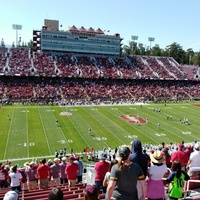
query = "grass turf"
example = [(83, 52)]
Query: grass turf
[(31, 131)]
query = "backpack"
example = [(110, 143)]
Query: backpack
[(176, 186)]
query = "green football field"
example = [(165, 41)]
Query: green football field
[(31, 131)]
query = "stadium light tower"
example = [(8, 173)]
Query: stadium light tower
[(151, 39), (17, 27), (134, 37)]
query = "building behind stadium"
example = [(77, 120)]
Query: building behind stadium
[(75, 40)]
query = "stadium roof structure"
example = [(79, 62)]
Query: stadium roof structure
[(99, 31), (82, 29), (91, 30), (73, 28)]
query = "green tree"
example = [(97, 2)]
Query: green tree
[(176, 51), (126, 50), (156, 51), (30, 45), (196, 58), (189, 56), (141, 49)]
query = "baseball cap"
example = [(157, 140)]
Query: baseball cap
[(197, 146), (77, 157), (181, 146), (49, 161), (91, 189), (124, 152), (71, 158), (103, 155), (56, 160), (11, 195), (64, 158), (32, 164)]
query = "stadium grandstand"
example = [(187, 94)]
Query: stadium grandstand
[(86, 64), (85, 67)]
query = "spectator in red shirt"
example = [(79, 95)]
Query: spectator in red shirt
[(101, 168), (167, 157), (71, 171), (43, 174), (180, 156), (3, 177), (189, 150)]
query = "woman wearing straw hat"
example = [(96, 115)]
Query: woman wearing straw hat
[(155, 187), (123, 178)]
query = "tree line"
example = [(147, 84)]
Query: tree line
[(188, 57)]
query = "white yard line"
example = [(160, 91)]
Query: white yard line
[(61, 131), (4, 157), (106, 127), (79, 132), (27, 134), (92, 130), (45, 132)]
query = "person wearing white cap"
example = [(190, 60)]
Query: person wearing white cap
[(30, 173), (11, 195), (55, 173), (194, 160), (63, 176)]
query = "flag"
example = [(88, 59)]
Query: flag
[(69, 27)]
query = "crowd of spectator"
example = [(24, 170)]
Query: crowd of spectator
[(151, 164), (20, 61), (94, 90), (49, 77)]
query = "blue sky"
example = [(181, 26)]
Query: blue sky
[(167, 21)]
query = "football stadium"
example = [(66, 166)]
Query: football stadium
[(75, 93)]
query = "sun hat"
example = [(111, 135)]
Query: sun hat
[(157, 157), (26, 164), (104, 156), (11, 195)]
